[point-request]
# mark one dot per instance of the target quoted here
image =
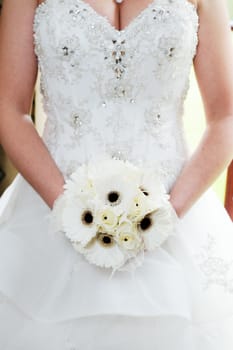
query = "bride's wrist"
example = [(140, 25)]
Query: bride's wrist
[(55, 195), (177, 207)]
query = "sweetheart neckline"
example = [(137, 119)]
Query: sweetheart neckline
[(128, 26), (106, 20)]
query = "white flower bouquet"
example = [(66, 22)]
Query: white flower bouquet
[(112, 210)]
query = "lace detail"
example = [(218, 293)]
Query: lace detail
[(216, 270), (106, 91)]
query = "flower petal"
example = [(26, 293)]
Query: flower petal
[(95, 253), (77, 226), (162, 226), (153, 188)]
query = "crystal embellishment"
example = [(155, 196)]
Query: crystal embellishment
[(104, 90), (118, 54)]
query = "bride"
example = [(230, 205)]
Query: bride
[(114, 76)]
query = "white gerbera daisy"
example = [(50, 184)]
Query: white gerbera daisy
[(157, 226), (78, 221), (115, 191), (114, 166), (140, 206), (55, 217), (152, 187), (132, 172), (79, 184), (103, 251)]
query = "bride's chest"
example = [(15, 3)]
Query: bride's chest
[(74, 34)]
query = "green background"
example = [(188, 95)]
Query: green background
[(230, 5)]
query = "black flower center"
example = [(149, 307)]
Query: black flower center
[(145, 223), (87, 217), (105, 239), (146, 193), (113, 196)]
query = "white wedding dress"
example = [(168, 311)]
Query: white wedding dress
[(117, 94)]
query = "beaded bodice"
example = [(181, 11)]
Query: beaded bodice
[(115, 92)]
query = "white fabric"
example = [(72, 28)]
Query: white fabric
[(181, 297)]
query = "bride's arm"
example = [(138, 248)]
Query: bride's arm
[(213, 66), (18, 71)]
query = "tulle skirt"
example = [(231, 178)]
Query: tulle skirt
[(180, 297)]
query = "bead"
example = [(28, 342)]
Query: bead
[(117, 154), (76, 120), (65, 51), (92, 75)]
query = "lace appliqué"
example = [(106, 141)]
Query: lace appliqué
[(216, 270), (157, 122), (106, 91)]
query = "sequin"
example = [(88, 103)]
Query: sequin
[(99, 83)]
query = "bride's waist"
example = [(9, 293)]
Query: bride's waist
[(140, 139), (166, 160)]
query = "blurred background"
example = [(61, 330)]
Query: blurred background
[(193, 117)]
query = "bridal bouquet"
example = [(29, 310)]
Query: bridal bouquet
[(112, 210)]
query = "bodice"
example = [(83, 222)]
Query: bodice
[(115, 92)]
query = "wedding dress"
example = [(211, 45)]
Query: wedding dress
[(120, 94)]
